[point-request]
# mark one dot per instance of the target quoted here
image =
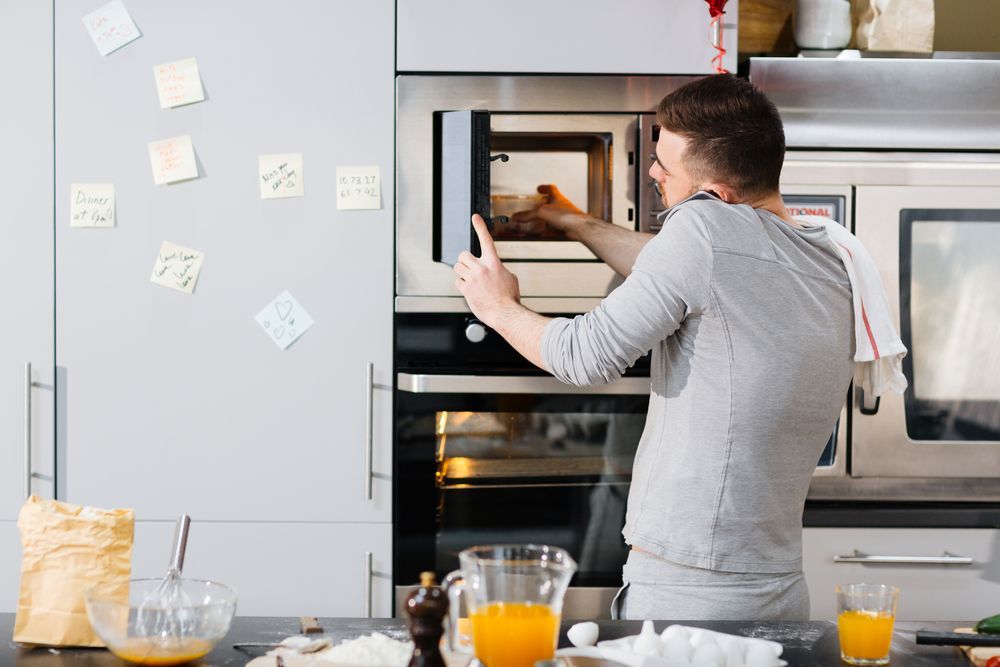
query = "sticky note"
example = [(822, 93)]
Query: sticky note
[(284, 320), (280, 175), (173, 160), (92, 205), (178, 83), (111, 27), (177, 267), (358, 188)]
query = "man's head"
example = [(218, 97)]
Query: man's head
[(718, 134)]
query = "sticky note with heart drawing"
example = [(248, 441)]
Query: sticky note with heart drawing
[(284, 320)]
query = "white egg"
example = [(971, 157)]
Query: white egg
[(699, 637), (648, 642), (583, 634), (675, 631), (760, 655), (734, 655), (709, 653), (677, 648)]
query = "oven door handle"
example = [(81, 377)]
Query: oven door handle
[(512, 384)]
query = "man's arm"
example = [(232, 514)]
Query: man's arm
[(616, 246), (494, 297)]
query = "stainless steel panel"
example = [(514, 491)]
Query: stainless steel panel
[(417, 97), (457, 304), (881, 446), (512, 384), (884, 102)]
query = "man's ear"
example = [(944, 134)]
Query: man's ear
[(722, 191)]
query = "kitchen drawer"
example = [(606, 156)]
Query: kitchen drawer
[(927, 591), (281, 569)]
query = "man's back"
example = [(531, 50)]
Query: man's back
[(751, 326)]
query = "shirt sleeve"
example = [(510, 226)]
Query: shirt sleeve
[(669, 282)]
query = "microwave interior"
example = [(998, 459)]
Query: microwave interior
[(493, 164), (577, 163)]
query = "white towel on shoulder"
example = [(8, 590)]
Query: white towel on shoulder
[(878, 350)]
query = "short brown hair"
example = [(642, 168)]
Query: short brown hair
[(734, 132)]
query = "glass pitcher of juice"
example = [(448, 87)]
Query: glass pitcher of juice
[(513, 594)]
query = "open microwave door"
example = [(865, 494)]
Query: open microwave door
[(461, 181)]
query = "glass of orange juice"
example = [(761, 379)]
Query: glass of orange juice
[(865, 615), (513, 594)]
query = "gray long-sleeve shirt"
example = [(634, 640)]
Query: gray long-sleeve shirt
[(751, 326)]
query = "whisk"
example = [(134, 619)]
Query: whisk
[(165, 612)]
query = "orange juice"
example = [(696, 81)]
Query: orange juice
[(157, 651), (865, 635), (514, 634)]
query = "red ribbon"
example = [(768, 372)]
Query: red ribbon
[(716, 10)]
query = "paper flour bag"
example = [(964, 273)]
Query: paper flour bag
[(68, 549)]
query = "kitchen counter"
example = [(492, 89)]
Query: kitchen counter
[(807, 643)]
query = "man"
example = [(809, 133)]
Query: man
[(749, 316)]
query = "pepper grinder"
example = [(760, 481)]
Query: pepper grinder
[(425, 609)]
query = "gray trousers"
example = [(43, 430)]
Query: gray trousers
[(656, 589)]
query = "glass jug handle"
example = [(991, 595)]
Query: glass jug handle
[(459, 626)]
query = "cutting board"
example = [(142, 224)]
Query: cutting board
[(978, 654)]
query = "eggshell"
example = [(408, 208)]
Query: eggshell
[(648, 642), (675, 631), (734, 655), (583, 634), (760, 655), (677, 648), (699, 637), (709, 653)]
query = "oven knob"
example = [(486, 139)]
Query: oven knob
[(475, 332)]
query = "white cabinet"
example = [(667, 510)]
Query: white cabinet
[(26, 275), (148, 398), (182, 403), (927, 591), (286, 569), (561, 36)]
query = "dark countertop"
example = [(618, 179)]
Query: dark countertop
[(807, 643)]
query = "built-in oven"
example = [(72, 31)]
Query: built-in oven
[(488, 449), (483, 144), (939, 252)]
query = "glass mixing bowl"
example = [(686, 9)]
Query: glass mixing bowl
[(139, 630)]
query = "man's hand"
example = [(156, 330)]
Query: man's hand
[(487, 285), (559, 213)]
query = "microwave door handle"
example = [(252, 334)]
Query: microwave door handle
[(414, 383)]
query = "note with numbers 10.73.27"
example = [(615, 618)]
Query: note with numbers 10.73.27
[(358, 188), (177, 267), (92, 205), (111, 27), (284, 320)]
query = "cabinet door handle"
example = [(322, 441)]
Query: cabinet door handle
[(369, 419), (946, 559), (27, 430), (368, 585)]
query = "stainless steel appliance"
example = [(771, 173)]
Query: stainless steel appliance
[(930, 217), (587, 135), (487, 447)]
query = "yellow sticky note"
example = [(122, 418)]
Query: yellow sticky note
[(178, 83), (92, 205), (281, 176), (358, 188), (173, 160), (177, 267)]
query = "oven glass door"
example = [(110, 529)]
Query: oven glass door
[(477, 463), (939, 251)]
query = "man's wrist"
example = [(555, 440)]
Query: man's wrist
[(500, 316)]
